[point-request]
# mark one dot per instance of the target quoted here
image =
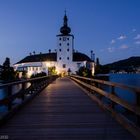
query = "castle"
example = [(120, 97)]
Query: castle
[(64, 59)]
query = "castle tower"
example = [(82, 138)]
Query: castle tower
[(64, 47)]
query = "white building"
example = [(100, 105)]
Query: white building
[(64, 59)]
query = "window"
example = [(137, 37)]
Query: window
[(59, 58), (67, 38), (60, 38), (68, 58), (25, 68), (68, 50), (78, 65), (60, 50), (59, 44), (64, 65), (64, 38), (68, 44)]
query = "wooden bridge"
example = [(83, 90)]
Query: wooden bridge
[(62, 111)]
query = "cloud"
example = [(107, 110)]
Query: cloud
[(122, 37), (112, 41), (123, 47), (134, 30), (137, 37), (111, 49), (137, 42)]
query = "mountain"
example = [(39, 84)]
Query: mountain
[(128, 65)]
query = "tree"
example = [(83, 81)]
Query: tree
[(83, 71), (100, 69), (52, 70), (8, 73), (6, 64)]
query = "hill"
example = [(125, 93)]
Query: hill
[(129, 65)]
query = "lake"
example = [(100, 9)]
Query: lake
[(129, 79)]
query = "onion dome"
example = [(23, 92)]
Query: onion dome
[(65, 30)]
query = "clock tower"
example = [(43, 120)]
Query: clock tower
[(64, 47)]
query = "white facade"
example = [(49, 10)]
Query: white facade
[(64, 59), (64, 52)]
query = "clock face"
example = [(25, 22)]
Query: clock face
[(64, 38)]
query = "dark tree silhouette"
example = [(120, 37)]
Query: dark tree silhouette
[(8, 73), (83, 71)]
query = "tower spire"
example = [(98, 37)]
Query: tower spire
[(65, 30), (65, 19)]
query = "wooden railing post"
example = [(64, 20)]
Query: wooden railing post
[(10, 100), (23, 89), (113, 93), (138, 103)]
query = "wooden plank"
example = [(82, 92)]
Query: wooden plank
[(63, 111)]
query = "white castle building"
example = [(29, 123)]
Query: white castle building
[(64, 58)]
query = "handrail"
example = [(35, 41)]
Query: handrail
[(25, 93), (95, 91), (123, 86), (23, 81)]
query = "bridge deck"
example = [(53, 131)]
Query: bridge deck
[(63, 111)]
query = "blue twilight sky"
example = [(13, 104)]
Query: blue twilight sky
[(111, 28)]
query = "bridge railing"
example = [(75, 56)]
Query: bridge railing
[(105, 93), (13, 99)]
